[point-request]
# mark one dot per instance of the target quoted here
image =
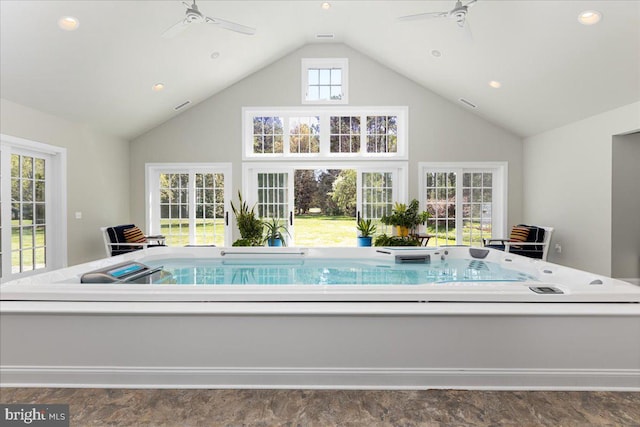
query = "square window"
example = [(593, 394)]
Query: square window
[(324, 80)]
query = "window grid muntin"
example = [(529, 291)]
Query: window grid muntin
[(209, 209), (273, 195), (440, 197), (28, 208), (268, 135), (300, 136), (477, 199), (174, 207), (345, 132), (382, 134), (324, 84)]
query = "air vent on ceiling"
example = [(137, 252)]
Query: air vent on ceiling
[(325, 36), (184, 104), (467, 103)]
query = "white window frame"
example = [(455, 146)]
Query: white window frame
[(399, 169), (500, 202), (324, 113), (55, 196), (325, 63), (152, 173)]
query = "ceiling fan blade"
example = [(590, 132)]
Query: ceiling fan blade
[(176, 29), (228, 25), (424, 16), (466, 28)]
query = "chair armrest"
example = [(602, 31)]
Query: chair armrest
[(508, 243), (490, 240), (144, 245)]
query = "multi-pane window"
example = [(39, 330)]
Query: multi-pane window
[(477, 197), (188, 203), (209, 223), (325, 80), (440, 199), (377, 195), (465, 201), (344, 134), (174, 208), (268, 135), (304, 134), (325, 132), (382, 134), (273, 195), (324, 84), (28, 213)]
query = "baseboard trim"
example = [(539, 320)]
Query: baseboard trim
[(303, 378)]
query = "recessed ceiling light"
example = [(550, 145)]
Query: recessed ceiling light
[(436, 53), (215, 55), (494, 84), (157, 87), (589, 17), (326, 5), (68, 23)]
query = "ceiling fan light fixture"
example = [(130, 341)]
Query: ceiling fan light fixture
[(68, 23), (495, 84), (589, 17)]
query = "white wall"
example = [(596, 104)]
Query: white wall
[(438, 129), (568, 179), (625, 207), (97, 174)]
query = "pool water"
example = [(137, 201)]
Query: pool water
[(329, 271)]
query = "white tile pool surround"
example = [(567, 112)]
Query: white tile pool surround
[(575, 285)]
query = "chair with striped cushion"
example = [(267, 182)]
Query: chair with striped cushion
[(526, 240), (121, 239)]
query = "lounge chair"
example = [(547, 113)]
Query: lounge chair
[(121, 239), (526, 240)]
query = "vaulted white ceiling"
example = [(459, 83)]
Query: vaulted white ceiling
[(553, 69)]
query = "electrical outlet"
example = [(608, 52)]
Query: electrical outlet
[(558, 248)]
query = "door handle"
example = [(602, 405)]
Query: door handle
[(358, 216), (226, 218), (290, 218)]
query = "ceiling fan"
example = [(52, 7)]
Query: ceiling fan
[(458, 14), (194, 16)]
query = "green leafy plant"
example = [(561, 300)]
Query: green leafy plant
[(275, 230), (249, 225), (386, 240), (409, 216), (366, 228)]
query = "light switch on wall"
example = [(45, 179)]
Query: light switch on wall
[(78, 215)]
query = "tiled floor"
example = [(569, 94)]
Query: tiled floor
[(119, 407)]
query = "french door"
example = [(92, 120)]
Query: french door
[(466, 201), (189, 204), (270, 188), (33, 200)]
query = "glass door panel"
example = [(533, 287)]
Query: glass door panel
[(274, 195), (477, 196), (377, 194), (441, 205)]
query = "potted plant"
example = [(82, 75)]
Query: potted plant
[(249, 225), (365, 230), (274, 232), (405, 218)]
